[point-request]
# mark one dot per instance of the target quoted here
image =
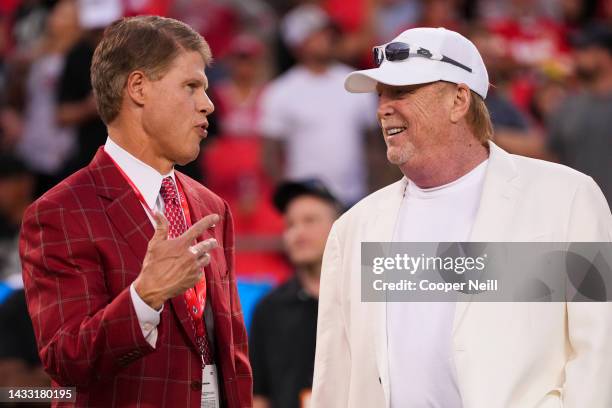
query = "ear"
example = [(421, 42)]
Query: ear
[(136, 87), (461, 103)]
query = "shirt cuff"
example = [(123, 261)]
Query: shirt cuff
[(147, 317)]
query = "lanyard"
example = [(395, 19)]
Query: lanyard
[(194, 297)]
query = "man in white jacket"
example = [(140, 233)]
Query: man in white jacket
[(458, 186)]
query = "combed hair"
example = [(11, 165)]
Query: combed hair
[(146, 43)]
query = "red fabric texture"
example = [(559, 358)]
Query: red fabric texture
[(82, 244)]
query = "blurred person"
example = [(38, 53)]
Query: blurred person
[(392, 16), (551, 90), (16, 191), (514, 130), (76, 105), (500, 9), (216, 20), (604, 12), (232, 161), (284, 327), (128, 264), (531, 38), (221, 21), (19, 362), (505, 115), (308, 119), (356, 24), (4, 23), (237, 95), (579, 131), (43, 144), (13, 102), (458, 186), (439, 13), (576, 14), (27, 23)]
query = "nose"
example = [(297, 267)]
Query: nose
[(205, 105), (385, 107)]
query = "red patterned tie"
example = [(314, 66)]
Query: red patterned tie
[(178, 226)]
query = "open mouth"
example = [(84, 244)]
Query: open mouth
[(394, 130), (202, 130)]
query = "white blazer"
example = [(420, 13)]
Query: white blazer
[(507, 355)]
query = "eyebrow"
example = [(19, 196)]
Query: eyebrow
[(402, 88), (198, 81)]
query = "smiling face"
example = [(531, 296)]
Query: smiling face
[(415, 120), (175, 109)]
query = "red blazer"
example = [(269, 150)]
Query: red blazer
[(82, 244)]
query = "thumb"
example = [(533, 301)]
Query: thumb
[(161, 227)]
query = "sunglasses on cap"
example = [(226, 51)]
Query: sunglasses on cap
[(399, 51)]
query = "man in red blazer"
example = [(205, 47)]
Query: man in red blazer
[(128, 264)]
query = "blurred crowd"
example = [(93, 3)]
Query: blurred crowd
[(281, 110)]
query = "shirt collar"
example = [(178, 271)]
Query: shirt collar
[(144, 177)]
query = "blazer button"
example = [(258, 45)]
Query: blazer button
[(379, 380), (196, 385)]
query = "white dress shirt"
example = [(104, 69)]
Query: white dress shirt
[(148, 181), (421, 366)]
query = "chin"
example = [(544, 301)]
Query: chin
[(188, 157), (396, 158), (400, 155), (302, 260)]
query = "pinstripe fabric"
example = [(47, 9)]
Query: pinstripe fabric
[(82, 244)]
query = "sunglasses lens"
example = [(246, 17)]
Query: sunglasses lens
[(378, 56), (397, 51)]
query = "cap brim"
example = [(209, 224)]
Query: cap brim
[(390, 73)]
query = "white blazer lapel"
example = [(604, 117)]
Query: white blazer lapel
[(380, 228), (495, 213), (499, 195)]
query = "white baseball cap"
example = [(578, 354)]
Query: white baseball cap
[(435, 54), (301, 22), (99, 13)]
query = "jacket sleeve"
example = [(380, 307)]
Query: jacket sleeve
[(588, 373), (333, 357), (82, 333), (244, 376)]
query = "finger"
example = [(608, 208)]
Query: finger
[(161, 227), (198, 228), (204, 260), (201, 248)]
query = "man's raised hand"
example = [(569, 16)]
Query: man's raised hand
[(171, 266)]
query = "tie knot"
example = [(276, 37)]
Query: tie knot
[(167, 190)]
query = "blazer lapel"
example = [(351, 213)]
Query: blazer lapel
[(131, 222), (123, 208), (381, 228), (500, 193)]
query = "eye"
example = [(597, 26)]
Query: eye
[(403, 91)]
